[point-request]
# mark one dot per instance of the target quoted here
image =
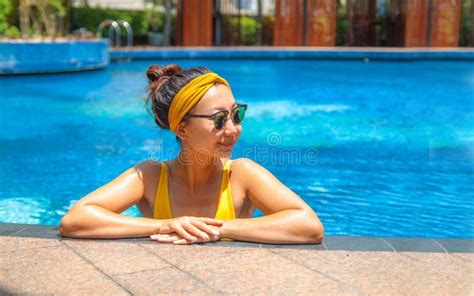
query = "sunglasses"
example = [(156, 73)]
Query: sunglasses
[(220, 118)]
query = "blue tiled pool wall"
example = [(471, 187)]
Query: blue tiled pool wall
[(67, 56), (302, 53), (47, 57)]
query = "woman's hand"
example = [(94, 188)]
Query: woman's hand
[(176, 239), (188, 229)]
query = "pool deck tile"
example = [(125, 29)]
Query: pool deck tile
[(246, 270), (389, 273), (36, 260), (469, 257), (27, 237), (53, 270), (168, 281), (438, 273), (114, 257), (16, 244)]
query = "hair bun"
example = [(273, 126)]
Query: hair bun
[(158, 75), (156, 72)]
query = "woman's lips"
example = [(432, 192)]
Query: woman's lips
[(227, 145)]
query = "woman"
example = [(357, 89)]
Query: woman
[(202, 195)]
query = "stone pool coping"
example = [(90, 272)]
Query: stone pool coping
[(306, 52), (330, 243), (36, 260), (62, 56)]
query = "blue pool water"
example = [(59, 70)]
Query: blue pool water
[(377, 148)]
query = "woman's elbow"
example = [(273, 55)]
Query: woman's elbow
[(70, 226), (310, 230), (66, 226), (317, 233)]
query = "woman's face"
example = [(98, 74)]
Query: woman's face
[(201, 136)]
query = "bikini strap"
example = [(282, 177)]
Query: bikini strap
[(162, 208), (227, 164)]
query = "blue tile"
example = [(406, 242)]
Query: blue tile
[(457, 245), (316, 247), (414, 244), (38, 231), (51, 57), (10, 228), (348, 243), (292, 54)]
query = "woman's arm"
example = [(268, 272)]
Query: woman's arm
[(288, 219), (97, 215)]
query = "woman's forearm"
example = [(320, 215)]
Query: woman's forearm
[(285, 227), (95, 222)]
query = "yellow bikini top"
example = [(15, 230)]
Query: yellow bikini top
[(225, 206)]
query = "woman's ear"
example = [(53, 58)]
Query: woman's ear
[(181, 132)]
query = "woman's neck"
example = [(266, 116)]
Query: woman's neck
[(194, 172)]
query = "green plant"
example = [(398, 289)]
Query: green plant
[(342, 24), (6, 28), (466, 32), (155, 16), (248, 29), (41, 18)]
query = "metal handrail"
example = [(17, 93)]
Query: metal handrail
[(116, 30), (129, 31)]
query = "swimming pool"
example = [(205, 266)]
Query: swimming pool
[(380, 148)]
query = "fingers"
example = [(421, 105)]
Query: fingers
[(191, 229), (177, 239), (198, 227), (211, 221), (196, 231), (165, 238), (205, 227), (181, 231)]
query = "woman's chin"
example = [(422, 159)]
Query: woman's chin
[(223, 152)]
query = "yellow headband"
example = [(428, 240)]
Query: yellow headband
[(189, 96)]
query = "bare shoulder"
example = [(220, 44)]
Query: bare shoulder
[(147, 168), (249, 172), (243, 162), (246, 166), (139, 174), (149, 171)]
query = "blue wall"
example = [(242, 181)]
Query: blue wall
[(22, 57)]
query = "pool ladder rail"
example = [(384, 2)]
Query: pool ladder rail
[(115, 33)]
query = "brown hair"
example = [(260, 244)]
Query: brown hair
[(164, 83)]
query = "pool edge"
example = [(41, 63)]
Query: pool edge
[(330, 243), (317, 53)]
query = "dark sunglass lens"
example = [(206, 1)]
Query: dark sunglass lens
[(220, 120), (239, 114)]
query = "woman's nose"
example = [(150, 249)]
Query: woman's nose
[(230, 127)]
